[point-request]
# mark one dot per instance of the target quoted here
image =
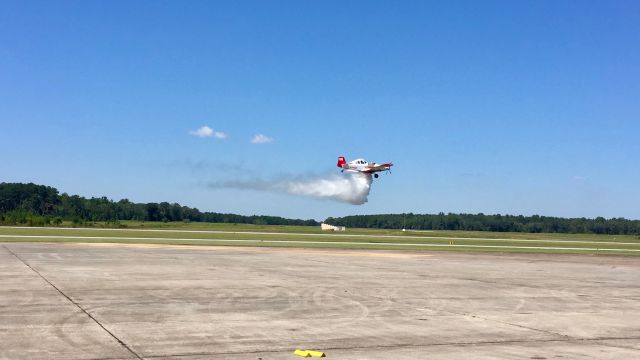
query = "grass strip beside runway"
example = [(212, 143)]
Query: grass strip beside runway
[(626, 245)]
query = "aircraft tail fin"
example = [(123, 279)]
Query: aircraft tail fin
[(341, 161)]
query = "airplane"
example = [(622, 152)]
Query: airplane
[(362, 166)]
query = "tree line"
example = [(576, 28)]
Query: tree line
[(37, 205), (482, 222)]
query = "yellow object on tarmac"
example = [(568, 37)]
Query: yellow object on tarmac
[(309, 353)]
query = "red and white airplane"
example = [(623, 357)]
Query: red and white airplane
[(362, 166)]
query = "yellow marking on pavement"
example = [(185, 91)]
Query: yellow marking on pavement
[(309, 353)]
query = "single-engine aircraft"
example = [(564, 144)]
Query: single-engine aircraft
[(362, 166)]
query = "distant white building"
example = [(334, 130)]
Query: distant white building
[(327, 227)]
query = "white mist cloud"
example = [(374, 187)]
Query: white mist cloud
[(206, 131), (351, 188), (261, 139)]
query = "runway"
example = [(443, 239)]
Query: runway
[(115, 301), (298, 234), (564, 243), (351, 243)]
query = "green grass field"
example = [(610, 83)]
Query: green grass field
[(313, 237)]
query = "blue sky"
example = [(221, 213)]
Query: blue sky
[(518, 107)]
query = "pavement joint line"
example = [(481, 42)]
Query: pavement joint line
[(258, 241), (122, 343), (328, 235)]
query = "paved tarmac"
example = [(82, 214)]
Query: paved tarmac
[(111, 301)]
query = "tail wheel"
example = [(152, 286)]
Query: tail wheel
[(375, 175)]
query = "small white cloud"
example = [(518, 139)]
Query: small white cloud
[(579, 178), (261, 139), (219, 135), (206, 131)]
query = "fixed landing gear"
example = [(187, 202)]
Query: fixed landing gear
[(375, 175)]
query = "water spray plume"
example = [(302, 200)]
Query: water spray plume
[(352, 188)]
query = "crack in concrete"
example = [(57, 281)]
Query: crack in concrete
[(122, 343), (548, 332), (601, 342)]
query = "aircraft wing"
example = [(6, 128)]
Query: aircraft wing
[(373, 169)]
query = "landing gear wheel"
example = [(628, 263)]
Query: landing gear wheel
[(375, 175)]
